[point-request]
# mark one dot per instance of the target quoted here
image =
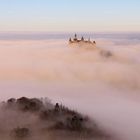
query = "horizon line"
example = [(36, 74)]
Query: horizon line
[(62, 32)]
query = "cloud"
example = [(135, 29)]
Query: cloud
[(51, 60), (106, 79)]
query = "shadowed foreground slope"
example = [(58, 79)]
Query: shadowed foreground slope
[(34, 119)]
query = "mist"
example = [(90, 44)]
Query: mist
[(103, 82)]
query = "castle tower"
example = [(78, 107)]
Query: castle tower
[(82, 39), (75, 37)]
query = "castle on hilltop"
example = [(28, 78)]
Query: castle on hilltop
[(81, 42)]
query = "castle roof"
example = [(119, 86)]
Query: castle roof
[(81, 41)]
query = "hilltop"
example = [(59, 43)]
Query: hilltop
[(82, 42), (33, 119)]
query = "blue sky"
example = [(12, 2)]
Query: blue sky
[(70, 15)]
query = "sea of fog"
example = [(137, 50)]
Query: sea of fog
[(106, 87)]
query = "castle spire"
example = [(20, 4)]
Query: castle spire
[(75, 37), (82, 39)]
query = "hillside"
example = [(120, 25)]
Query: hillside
[(35, 119)]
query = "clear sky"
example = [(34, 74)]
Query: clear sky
[(70, 15)]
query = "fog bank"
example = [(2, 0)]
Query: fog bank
[(104, 86)]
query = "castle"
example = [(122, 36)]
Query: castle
[(81, 42)]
